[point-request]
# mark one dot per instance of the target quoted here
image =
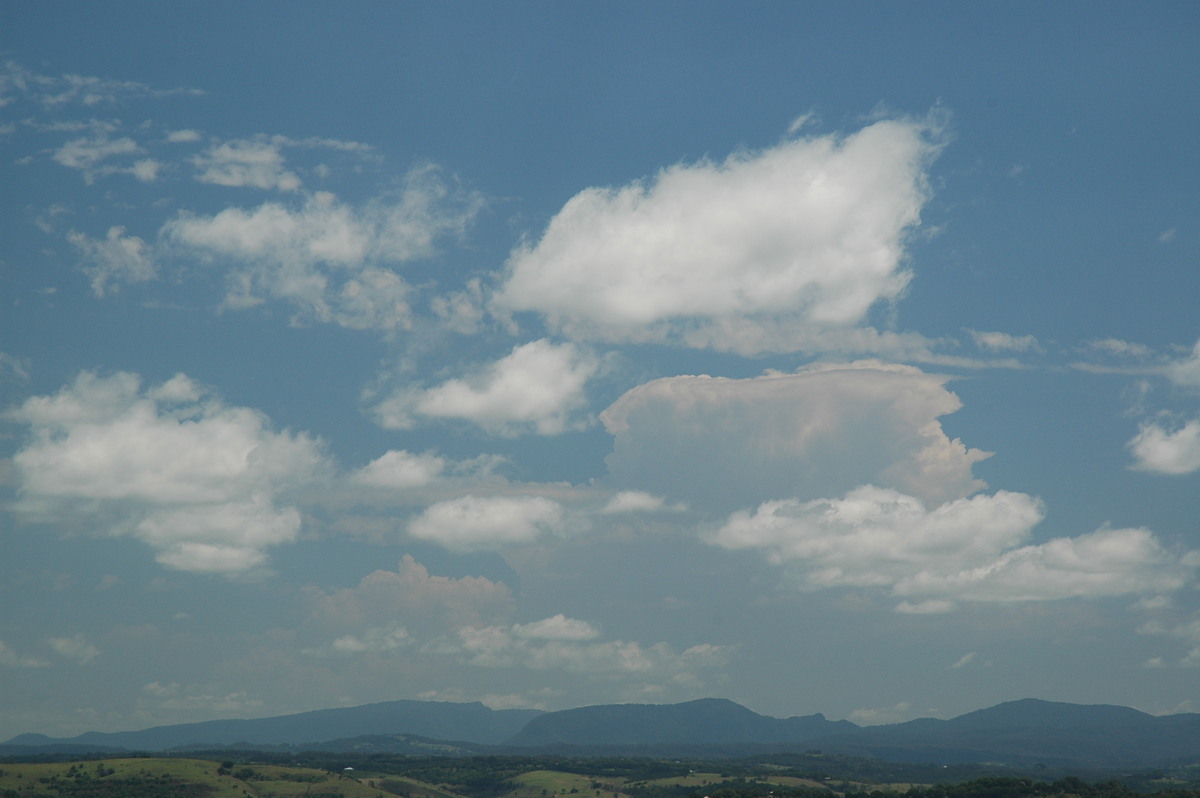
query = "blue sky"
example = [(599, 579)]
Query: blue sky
[(827, 357)]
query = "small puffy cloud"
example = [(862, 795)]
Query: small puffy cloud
[(374, 641), (256, 163), (75, 648), (398, 469), (971, 549), (1121, 348), (11, 659), (797, 239), (1161, 450), (86, 154), (1003, 342), (334, 262), (183, 136), (538, 387), (964, 660), (14, 369), (1186, 631), (116, 259), (199, 701), (633, 501), (1186, 372), (557, 627), (513, 646), (410, 598), (170, 465), (475, 523), (876, 716), (727, 443)]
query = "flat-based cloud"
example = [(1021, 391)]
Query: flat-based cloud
[(334, 262), (972, 549), (722, 444), (171, 465), (480, 523), (1168, 444), (796, 239), (538, 387)]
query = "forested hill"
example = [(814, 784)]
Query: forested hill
[(441, 720), (1032, 731), (1024, 733), (708, 721)]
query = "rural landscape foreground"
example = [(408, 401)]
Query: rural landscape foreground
[(710, 748)]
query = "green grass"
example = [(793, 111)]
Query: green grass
[(546, 783), (49, 780)]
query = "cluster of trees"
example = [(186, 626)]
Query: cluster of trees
[(495, 776), (83, 783), (1013, 787)]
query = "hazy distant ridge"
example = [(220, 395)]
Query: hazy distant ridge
[(1025, 732), (441, 720), (708, 721)]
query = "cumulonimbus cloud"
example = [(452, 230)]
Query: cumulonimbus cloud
[(797, 239), (722, 444), (171, 465)]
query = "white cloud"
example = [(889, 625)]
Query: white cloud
[(117, 258), (411, 598), (538, 387), (474, 523), (797, 239), (633, 501), (333, 261), (556, 627), (183, 136), (876, 716), (75, 648), (399, 469), (11, 659), (1167, 451), (1186, 372), (723, 443), (1122, 348), (579, 652), (171, 465), (964, 550), (86, 154), (1001, 342), (17, 80), (14, 369), (256, 163), (379, 640)]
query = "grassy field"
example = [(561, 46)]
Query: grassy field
[(547, 783), (134, 778)]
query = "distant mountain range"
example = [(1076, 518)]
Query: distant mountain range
[(440, 720), (1022, 733)]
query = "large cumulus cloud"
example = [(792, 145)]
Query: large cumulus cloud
[(971, 549), (759, 252), (172, 465)]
